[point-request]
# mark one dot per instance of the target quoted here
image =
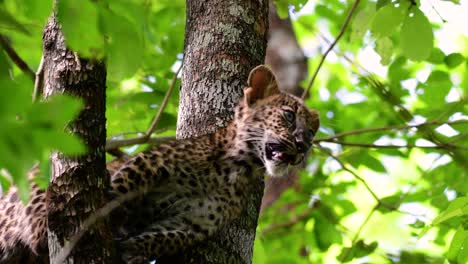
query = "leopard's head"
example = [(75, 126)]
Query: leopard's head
[(277, 127)]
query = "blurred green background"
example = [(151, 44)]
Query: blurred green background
[(386, 181)]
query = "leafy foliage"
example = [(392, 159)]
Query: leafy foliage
[(382, 204), (113, 29), (397, 194)]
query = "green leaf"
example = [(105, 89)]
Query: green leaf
[(79, 21), (326, 233), (361, 22), (436, 87), (325, 11), (42, 179), (382, 3), (418, 224), (416, 36), (397, 71), (453, 60), (437, 56), (5, 66), (359, 250), (390, 202), (167, 121), (384, 47), (457, 207), (62, 141), (37, 10), (21, 183), (458, 246), (365, 158), (282, 8), (387, 20), (17, 166), (56, 112), (5, 183), (8, 22), (259, 254), (365, 249), (123, 37)]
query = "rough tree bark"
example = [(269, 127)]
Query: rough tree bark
[(224, 40), (77, 185)]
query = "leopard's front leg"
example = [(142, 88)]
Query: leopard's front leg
[(196, 220)]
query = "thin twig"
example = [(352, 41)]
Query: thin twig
[(118, 153), (117, 143), (5, 43), (366, 145), (324, 56), (91, 220), (163, 104), (385, 128), (39, 81), (437, 12), (327, 152), (356, 64)]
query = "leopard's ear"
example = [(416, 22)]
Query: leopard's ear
[(261, 84)]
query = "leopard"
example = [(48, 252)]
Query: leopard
[(188, 189)]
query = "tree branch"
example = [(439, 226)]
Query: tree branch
[(156, 119), (117, 153), (324, 56), (5, 43), (366, 145), (385, 128), (39, 81), (118, 143)]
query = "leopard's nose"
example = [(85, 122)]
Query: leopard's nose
[(301, 146), (300, 140)]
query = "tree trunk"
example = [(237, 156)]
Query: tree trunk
[(77, 184), (224, 40)]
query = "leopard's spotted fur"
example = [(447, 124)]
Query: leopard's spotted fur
[(190, 188), (22, 228)]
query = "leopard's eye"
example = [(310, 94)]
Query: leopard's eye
[(289, 116)]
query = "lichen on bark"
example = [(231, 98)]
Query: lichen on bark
[(77, 183)]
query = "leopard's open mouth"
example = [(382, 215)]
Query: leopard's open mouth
[(280, 153)]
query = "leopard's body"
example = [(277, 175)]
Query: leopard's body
[(22, 227), (190, 188)]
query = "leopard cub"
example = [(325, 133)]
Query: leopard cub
[(195, 186), (188, 189)]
